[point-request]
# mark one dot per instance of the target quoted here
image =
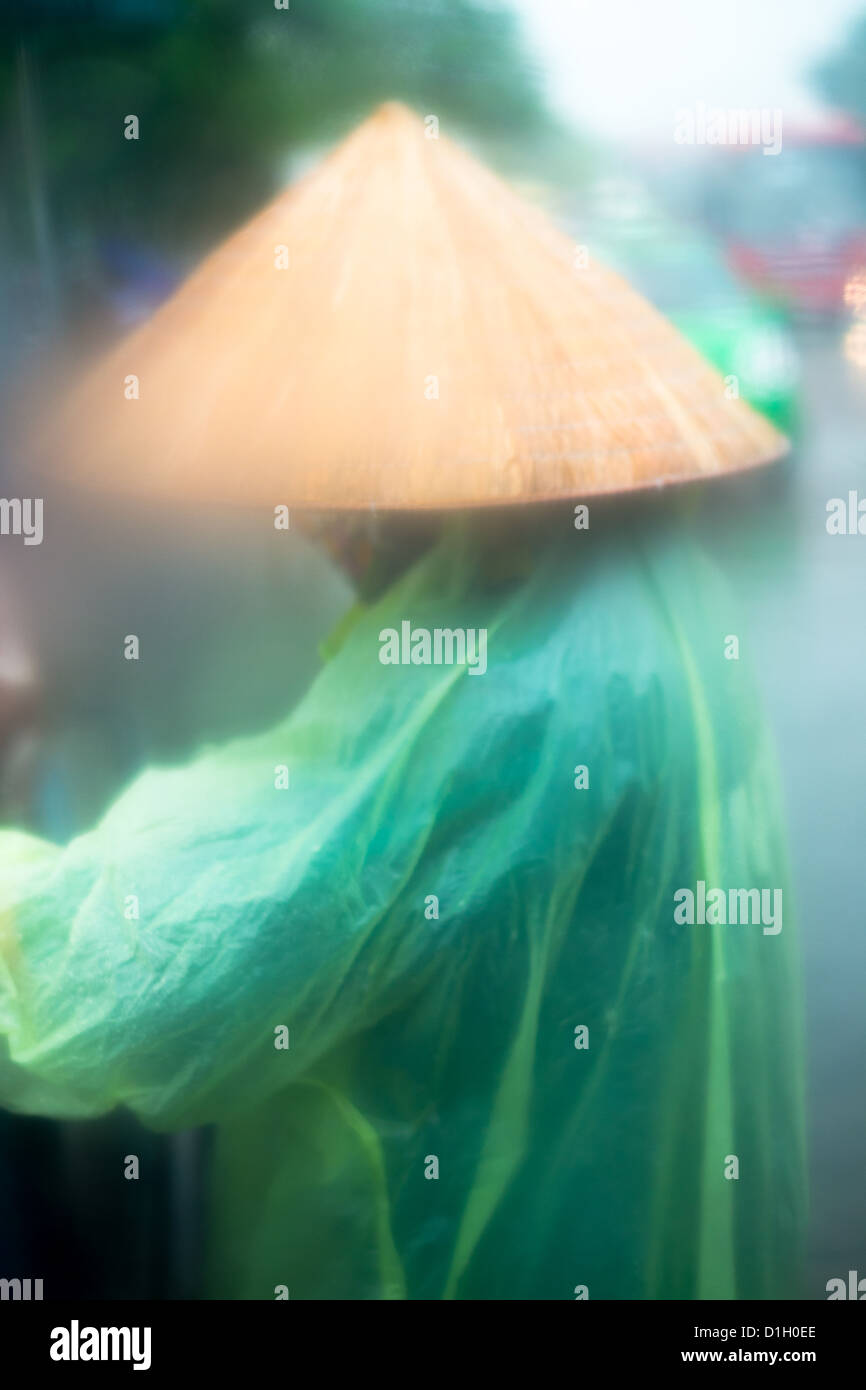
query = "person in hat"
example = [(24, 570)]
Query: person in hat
[(479, 960)]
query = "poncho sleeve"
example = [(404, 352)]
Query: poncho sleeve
[(309, 879)]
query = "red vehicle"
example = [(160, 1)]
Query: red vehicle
[(794, 224)]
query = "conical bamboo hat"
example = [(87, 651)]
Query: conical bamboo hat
[(400, 330)]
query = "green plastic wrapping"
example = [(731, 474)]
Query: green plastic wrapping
[(433, 1129)]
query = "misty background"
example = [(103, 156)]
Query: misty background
[(760, 260)]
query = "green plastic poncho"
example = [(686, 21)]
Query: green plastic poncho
[(434, 1128)]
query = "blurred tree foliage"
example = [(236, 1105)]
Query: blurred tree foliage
[(841, 78), (225, 92)]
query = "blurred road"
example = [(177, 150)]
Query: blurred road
[(808, 624)]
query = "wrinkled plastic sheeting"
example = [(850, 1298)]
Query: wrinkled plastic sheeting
[(416, 1037)]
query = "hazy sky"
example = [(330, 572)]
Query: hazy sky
[(623, 67)]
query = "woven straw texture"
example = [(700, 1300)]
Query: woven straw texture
[(430, 343)]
